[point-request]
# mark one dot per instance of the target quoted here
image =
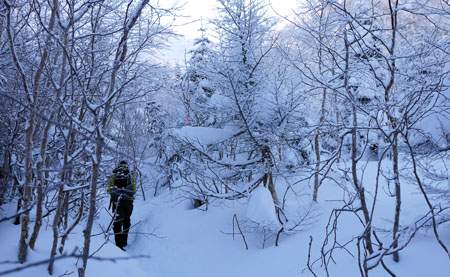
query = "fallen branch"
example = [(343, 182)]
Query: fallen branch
[(239, 227), (64, 256)]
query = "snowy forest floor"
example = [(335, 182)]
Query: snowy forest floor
[(170, 238)]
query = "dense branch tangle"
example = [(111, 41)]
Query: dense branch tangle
[(74, 62)]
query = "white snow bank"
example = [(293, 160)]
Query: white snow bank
[(261, 208), (111, 261), (203, 135)]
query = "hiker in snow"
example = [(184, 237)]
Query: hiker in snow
[(122, 188)]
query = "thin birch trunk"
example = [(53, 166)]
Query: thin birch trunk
[(65, 176), (268, 177), (70, 229), (31, 99), (96, 160), (6, 173), (398, 198), (44, 142), (322, 115), (59, 205), (55, 224), (392, 121), (356, 183), (317, 147), (25, 218), (359, 188), (41, 182)]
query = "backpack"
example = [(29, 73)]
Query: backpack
[(121, 177)]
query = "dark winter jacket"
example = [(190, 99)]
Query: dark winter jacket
[(126, 193)]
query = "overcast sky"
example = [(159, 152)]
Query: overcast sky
[(189, 24), (197, 9)]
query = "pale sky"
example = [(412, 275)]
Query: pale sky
[(197, 9), (189, 24)]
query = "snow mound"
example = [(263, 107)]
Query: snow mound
[(261, 208), (203, 135)]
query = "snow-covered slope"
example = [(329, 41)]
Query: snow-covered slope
[(181, 241)]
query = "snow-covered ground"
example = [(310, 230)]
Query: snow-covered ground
[(170, 238)]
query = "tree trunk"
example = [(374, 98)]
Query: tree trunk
[(41, 181), (27, 194), (271, 187), (44, 142), (75, 223), (56, 221), (317, 147), (38, 220), (268, 178), (359, 188), (398, 198), (92, 205), (393, 5), (31, 96), (5, 172)]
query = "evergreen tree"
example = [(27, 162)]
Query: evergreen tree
[(197, 84)]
